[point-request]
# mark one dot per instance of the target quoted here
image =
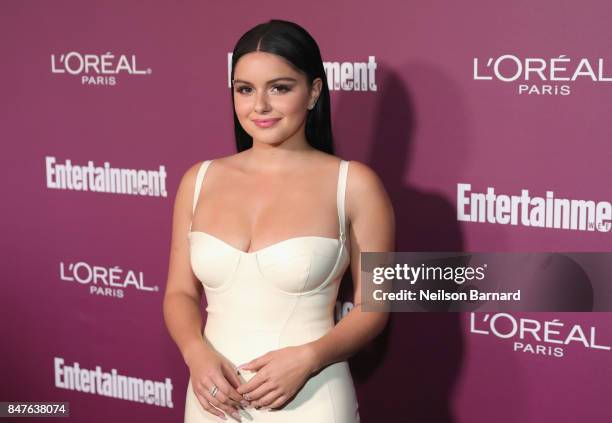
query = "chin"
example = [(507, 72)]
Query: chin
[(268, 136), (274, 141)]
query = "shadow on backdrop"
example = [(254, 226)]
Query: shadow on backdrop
[(410, 370)]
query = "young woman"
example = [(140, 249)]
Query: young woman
[(267, 234)]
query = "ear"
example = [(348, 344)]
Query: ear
[(315, 91)]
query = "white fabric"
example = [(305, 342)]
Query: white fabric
[(278, 296)]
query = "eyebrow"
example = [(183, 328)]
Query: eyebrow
[(284, 78)]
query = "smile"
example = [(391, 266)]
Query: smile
[(265, 123)]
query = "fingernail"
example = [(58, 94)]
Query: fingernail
[(236, 415), (244, 402)]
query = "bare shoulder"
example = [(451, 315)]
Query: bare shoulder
[(365, 191), (231, 158), (362, 179), (224, 161), (232, 162), (188, 176), (325, 161), (187, 182), (192, 170)]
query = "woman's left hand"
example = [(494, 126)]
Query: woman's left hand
[(280, 374)]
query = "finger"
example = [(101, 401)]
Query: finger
[(259, 378), (231, 375), (267, 399), (204, 390), (208, 407), (258, 393), (226, 393), (279, 402), (256, 363), (228, 409)]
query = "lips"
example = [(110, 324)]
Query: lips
[(265, 123)]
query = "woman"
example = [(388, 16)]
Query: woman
[(267, 233)]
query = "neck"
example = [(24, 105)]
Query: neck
[(280, 156)]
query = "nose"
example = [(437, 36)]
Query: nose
[(261, 102)]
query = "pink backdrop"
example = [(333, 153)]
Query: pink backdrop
[(425, 123)]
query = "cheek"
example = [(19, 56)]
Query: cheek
[(294, 107), (242, 107)]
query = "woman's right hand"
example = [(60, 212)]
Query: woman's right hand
[(207, 367)]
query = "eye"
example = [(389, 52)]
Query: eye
[(282, 88), (240, 89)]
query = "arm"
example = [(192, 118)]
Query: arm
[(372, 229), (181, 305), (182, 315)]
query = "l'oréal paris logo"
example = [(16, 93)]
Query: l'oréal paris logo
[(95, 69), (105, 281), (547, 338), (540, 76)]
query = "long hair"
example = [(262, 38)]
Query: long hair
[(294, 44)]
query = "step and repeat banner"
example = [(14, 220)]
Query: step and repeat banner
[(488, 123)]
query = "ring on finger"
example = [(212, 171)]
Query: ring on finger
[(213, 390)]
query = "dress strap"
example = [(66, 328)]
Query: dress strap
[(198, 185), (340, 197)]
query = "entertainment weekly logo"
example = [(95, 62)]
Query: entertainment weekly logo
[(540, 76), (112, 384), (341, 76), (96, 69), (547, 338), (532, 211), (107, 179), (104, 281)]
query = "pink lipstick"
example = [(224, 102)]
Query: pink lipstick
[(265, 123)]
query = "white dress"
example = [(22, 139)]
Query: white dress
[(281, 295)]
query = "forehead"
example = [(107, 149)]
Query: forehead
[(260, 67)]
